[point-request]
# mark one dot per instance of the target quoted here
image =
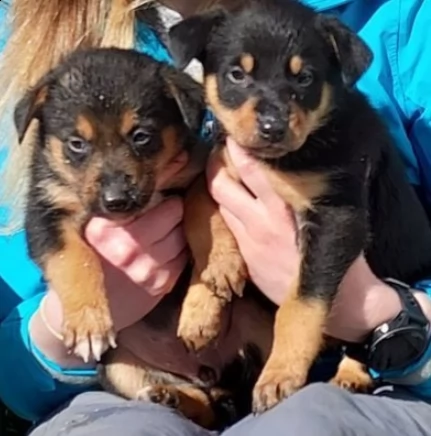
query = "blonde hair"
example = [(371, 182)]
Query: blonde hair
[(42, 32)]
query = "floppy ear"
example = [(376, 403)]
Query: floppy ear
[(189, 38), (29, 107), (188, 95), (352, 53)]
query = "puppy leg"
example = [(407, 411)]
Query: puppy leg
[(219, 270), (193, 402), (201, 315), (124, 374), (75, 273), (300, 320), (298, 339), (353, 376)]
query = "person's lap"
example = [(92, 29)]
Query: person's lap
[(319, 409)]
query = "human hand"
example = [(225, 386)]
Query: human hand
[(265, 230), (142, 260), (264, 227)]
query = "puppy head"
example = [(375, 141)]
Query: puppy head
[(110, 122), (273, 70)]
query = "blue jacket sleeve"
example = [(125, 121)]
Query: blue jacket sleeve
[(30, 385), (398, 33)]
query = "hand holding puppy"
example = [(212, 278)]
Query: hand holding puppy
[(266, 234)]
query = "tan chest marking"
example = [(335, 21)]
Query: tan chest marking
[(298, 190)]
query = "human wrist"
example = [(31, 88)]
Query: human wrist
[(45, 333), (363, 303)]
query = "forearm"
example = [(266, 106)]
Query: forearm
[(30, 384), (365, 302)]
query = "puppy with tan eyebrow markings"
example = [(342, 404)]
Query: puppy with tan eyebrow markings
[(280, 80), (110, 122)]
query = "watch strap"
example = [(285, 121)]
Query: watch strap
[(410, 327)]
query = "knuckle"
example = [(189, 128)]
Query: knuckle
[(120, 253), (216, 186), (95, 231), (140, 272)]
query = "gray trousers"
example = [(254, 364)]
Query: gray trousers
[(317, 410)]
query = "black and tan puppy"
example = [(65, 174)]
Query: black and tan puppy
[(279, 78), (110, 121)]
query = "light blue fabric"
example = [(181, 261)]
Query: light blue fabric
[(398, 84)]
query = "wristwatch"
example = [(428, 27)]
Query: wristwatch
[(399, 343)]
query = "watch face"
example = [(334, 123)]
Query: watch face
[(398, 350)]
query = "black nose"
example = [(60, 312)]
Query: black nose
[(271, 129), (116, 199)]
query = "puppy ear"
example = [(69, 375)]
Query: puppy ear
[(188, 95), (189, 38), (352, 53), (29, 107)]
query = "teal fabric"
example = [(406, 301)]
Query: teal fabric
[(398, 84)]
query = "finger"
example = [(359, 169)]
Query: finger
[(119, 244), (151, 262), (165, 279), (229, 193), (236, 226), (253, 175), (155, 224)]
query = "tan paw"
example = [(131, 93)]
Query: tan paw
[(274, 385), (200, 320), (160, 394), (225, 275), (89, 332), (353, 378)]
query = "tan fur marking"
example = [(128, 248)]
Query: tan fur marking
[(62, 197), (83, 182), (201, 312), (352, 376), (295, 64), (247, 63), (298, 338), (195, 405), (125, 372), (219, 270), (302, 124), (85, 128), (297, 189), (128, 375), (171, 147), (239, 123), (76, 274), (127, 121), (57, 161), (335, 46)]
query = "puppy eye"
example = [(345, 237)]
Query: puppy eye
[(305, 78), (141, 137), (78, 146), (237, 75)]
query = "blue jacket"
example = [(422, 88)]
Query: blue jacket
[(397, 31)]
